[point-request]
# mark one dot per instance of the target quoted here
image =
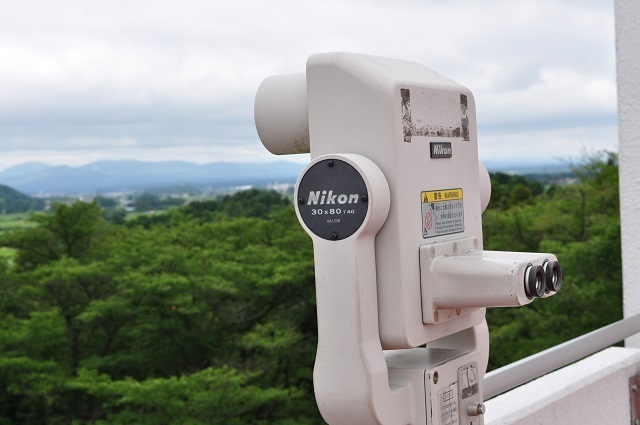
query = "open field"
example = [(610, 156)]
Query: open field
[(13, 221)]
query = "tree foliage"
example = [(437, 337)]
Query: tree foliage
[(148, 202), (206, 314), (249, 203), (12, 201), (194, 322)]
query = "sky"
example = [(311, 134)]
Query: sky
[(88, 80)]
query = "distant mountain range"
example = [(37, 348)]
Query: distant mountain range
[(104, 176), (107, 176)]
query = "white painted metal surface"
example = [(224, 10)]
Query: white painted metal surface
[(351, 382), (356, 105), (457, 275), (410, 135), (280, 112), (593, 391), (628, 66)]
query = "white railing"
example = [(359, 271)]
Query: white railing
[(529, 368), (592, 391)]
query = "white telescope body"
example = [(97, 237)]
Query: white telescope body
[(392, 200), (281, 114)]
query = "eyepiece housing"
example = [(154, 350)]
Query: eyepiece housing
[(553, 276), (534, 281)]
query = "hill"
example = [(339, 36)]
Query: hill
[(127, 175), (12, 201), (33, 178)]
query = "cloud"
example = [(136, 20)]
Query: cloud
[(136, 76)]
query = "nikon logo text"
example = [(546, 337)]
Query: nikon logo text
[(322, 197), (441, 150)]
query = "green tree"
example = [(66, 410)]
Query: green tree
[(12, 201), (149, 202), (69, 231), (149, 325), (209, 397), (249, 203), (209, 316)]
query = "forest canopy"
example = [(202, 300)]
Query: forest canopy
[(12, 201), (206, 314)]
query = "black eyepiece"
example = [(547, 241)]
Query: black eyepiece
[(534, 281), (553, 275)]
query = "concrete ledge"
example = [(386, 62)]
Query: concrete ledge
[(591, 391)]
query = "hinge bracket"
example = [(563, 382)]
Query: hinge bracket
[(634, 396)]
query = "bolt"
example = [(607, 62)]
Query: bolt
[(334, 236), (436, 316), (330, 163), (455, 247), (475, 409), (435, 377), (301, 201), (458, 311), (364, 198), (634, 387)]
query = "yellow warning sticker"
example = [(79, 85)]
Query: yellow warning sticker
[(442, 212), (442, 195)]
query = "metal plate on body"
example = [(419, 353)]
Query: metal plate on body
[(332, 199)]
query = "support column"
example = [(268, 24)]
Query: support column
[(628, 67)]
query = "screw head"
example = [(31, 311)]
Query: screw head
[(301, 200), (363, 198), (330, 163), (476, 409), (334, 236)]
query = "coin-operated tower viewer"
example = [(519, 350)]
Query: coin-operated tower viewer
[(392, 199)]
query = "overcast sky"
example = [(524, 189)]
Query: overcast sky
[(83, 80)]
